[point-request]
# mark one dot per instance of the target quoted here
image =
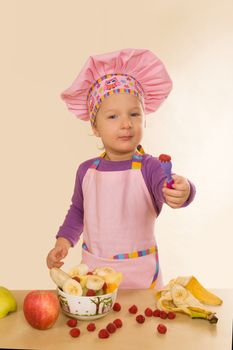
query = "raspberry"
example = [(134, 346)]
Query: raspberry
[(156, 313), (90, 293), (91, 327), (111, 328), (163, 315), (76, 278), (161, 328), (118, 323), (116, 307), (103, 333), (72, 322), (133, 309), (148, 312), (140, 319), (75, 332), (164, 158), (171, 315)]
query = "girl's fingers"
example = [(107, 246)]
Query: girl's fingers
[(60, 253), (58, 264), (176, 196), (53, 263), (55, 256), (177, 186), (173, 200), (174, 206), (172, 193)]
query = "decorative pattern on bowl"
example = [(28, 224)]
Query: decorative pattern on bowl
[(85, 307)]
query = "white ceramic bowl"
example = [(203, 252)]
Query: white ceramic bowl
[(86, 308)]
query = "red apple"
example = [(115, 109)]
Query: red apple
[(41, 309)]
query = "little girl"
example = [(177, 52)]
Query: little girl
[(119, 195)]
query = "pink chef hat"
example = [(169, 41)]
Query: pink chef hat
[(135, 71)]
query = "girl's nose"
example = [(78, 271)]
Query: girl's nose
[(126, 123)]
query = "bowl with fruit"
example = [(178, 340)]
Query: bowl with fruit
[(84, 294)]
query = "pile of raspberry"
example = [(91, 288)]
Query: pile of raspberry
[(148, 312), (91, 327), (117, 323)]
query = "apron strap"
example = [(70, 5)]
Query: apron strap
[(136, 159)]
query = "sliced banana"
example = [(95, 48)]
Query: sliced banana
[(113, 278), (182, 297), (72, 287), (78, 270), (179, 294), (58, 276), (94, 282), (102, 271), (83, 280), (164, 304), (182, 280), (167, 295)]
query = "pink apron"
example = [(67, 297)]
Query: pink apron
[(119, 219)]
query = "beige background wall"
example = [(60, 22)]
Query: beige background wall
[(43, 46)]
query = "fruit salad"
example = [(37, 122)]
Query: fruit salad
[(80, 281)]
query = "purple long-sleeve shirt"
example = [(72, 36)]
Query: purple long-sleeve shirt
[(154, 178)]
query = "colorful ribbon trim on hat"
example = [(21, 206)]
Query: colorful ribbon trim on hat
[(112, 84)]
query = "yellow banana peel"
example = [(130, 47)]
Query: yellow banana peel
[(202, 294), (188, 296)]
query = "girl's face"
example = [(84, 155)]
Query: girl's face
[(119, 122)]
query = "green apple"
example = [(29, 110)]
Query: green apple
[(7, 302)]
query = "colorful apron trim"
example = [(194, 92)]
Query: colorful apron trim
[(132, 255), (136, 254), (154, 280)]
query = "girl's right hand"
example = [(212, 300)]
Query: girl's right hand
[(56, 255)]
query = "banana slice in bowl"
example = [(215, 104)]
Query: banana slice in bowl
[(78, 270), (103, 271), (58, 276), (94, 282), (72, 287)]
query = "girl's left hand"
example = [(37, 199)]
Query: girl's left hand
[(179, 194)]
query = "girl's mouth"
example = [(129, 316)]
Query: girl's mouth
[(125, 138)]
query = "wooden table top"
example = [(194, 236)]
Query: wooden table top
[(183, 333)]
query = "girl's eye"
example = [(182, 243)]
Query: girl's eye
[(112, 116)]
